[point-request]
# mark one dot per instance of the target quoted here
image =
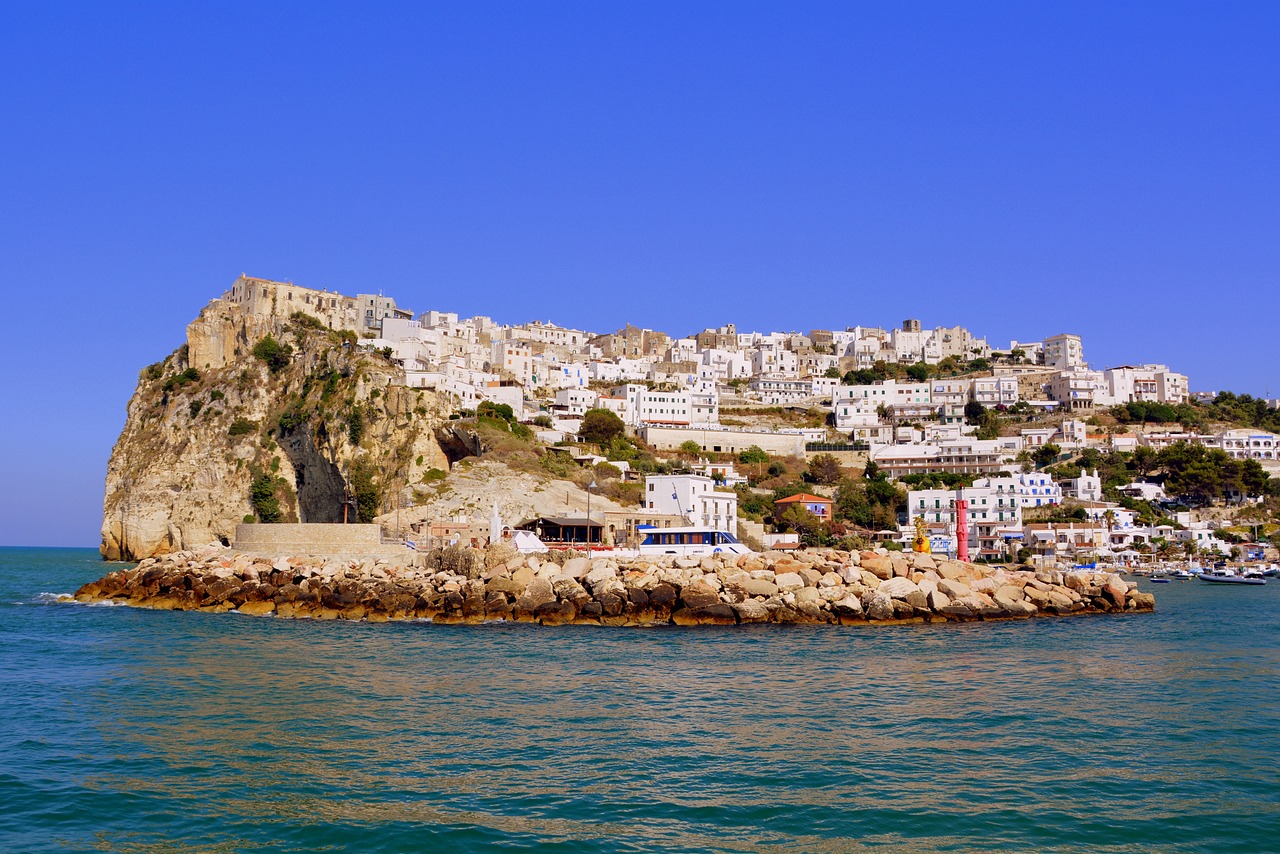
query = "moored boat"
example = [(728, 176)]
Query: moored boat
[(1229, 576)]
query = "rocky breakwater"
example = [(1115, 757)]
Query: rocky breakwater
[(462, 585)]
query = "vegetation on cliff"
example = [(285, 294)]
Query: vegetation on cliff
[(285, 421)]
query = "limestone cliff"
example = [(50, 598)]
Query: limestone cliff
[(262, 418)]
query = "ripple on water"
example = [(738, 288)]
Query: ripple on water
[(134, 730)]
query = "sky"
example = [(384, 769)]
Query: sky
[(1022, 169)]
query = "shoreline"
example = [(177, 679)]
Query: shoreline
[(461, 585)]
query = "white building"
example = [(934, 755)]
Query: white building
[(1029, 489), (995, 391), (1086, 487), (1144, 383), (1078, 388), (672, 408), (994, 517), (902, 399), (514, 358), (694, 497), (1064, 352), (966, 456), (575, 401), (373, 308), (949, 397)]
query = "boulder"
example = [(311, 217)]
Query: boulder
[(924, 561), (601, 574), (537, 592), (576, 567), (1009, 593), (717, 614), (897, 587), (881, 607), (662, 595), (880, 567), (257, 609), (811, 576), (849, 606), (751, 611), (699, 594), (1116, 590), (789, 581), (954, 589), (759, 587), (808, 594)]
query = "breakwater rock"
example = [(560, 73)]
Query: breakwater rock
[(463, 585)]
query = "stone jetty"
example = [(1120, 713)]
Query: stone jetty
[(464, 585)]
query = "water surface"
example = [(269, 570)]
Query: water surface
[(134, 730)]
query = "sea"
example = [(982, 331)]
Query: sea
[(132, 730)]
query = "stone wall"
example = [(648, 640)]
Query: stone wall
[(344, 542)]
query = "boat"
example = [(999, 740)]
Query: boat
[(692, 541), (1182, 574), (1229, 576), (1159, 579)]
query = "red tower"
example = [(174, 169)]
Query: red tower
[(962, 526)]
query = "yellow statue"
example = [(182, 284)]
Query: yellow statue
[(921, 543)]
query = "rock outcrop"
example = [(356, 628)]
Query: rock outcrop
[(319, 420), (462, 585)]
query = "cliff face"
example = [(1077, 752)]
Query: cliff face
[(262, 418)]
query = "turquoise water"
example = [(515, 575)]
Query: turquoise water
[(141, 731)]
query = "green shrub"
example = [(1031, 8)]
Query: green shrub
[(292, 418), (262, 495), (302, 320), (195, 407), (241, 427), (274, 354), (355, 425), (216, 394), (190, 375), (600, 426), (367, 491)]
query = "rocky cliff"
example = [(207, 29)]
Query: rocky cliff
[(262, 418)]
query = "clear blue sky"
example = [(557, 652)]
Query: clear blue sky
[(1020, 168)]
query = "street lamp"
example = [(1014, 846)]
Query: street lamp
[(590, 487)]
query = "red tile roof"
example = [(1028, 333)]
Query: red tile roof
[(805, 497)]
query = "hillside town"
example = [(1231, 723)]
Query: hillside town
[(937, 413)]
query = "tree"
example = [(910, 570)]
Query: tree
[(833, 373), (273, 353), (500, 411), (691, 448), (1045, 454), (262, 495), (973, 412), (1144, 459), (367, 492), (600, 426), (825, 468), (918, 372), (753, 456)]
